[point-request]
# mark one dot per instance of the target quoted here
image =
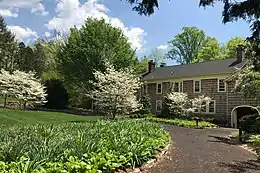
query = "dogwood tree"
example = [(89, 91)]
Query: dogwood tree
[(199, 103), (114, 92), (177, 103), (23, 86)]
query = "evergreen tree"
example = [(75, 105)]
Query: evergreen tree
[(146, 104), (8, 46)]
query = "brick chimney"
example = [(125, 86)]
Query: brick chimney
[(151, 66), (240, 53)]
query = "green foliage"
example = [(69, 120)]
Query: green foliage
[(94, 146), (230, 49), (254, 140), (87, 49), (186, 45), (8, 46), (139, 115), (250, 123), (182, 122), (146, 104), (212, 50)]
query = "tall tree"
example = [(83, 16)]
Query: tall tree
[(230, 49), (8, 46), (157, 55), (212, 50), (88, 49), (233, 10), (186, 45), (142, 65)]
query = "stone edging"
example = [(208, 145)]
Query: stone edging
[(150, 163)]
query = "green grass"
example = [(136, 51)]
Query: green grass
[(182, 122), (89, 147), (10, 116)]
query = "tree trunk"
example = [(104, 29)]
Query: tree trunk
[(5, 101), (24, 105)]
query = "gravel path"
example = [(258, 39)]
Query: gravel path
[(205, 151)]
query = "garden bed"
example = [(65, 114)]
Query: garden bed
[(94, 146), (182, 122)]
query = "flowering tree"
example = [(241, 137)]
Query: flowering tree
[(199, 103), (23, 86), (248, 82), (114, 92), (177, 103)]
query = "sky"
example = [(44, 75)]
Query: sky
[(33, 19)]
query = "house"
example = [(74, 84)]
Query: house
[(208, 78)]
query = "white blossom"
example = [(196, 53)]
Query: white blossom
[(22, 86), (200, 102), (177, 103), (115, 92)]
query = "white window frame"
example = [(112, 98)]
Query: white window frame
[(180, 88), (207, 108), (194, 81), (157, 88), (214, 107), (224, 85), (156, 105)]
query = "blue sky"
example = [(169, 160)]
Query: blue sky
[(33, 19)]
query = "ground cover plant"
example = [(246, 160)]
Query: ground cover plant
[(93, 146), (182, 122)]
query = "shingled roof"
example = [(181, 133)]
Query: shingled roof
[(196, 69)]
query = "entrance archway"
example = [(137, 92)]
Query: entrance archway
[(240, 111)]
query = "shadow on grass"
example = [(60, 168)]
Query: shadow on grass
[(224, 140), (242, 166)]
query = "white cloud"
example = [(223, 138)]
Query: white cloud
[(23, 33), (8, 13), (163, 46), (71, 12), (36, 6)]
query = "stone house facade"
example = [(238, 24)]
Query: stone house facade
[(207, 78)]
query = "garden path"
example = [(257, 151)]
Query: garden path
[(205, 151)]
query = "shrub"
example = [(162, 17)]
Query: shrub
[(77, 147), (250, 123), (182, 122), (175, 104), (146, 104), (57, 95)]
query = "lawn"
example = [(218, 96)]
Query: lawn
[(9, 116)]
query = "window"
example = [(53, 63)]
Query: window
[(178, 86), (158, 105), (197, 86), (207, 107), (211, 106), (159, 88), (221, 85)]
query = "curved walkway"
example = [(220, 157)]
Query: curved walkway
[(205, 151)]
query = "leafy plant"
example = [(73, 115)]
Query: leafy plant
[(93, 146), (182, 122)]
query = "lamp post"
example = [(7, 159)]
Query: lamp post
[(197, 121)]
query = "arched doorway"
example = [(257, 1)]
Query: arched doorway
[(240, 111)]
